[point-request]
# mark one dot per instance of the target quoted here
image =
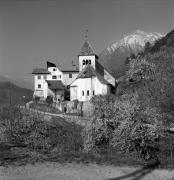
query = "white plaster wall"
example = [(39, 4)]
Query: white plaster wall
[(109, 77), (67, 80), (73, 93), (54, 73), (41, 92), (100, 89), (74, 90), (84, 85), (81, 58)]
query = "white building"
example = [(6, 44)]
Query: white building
[(52, 81), (93, 78)]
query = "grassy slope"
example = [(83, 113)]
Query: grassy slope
[(10, 91)]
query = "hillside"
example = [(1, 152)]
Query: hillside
[(10, 93), (166, 41), (17, 82), (114, 57)]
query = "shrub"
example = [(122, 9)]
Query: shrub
[(36, 99), (49, 100), (29, 129)]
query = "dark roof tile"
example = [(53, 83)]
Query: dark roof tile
[(89, 72), (40, 71), (55, 84), (86, 49)]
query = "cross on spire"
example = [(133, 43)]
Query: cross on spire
[(86, 34)]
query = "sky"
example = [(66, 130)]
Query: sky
[(34, 31)]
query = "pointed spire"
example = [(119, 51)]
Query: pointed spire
[(86, 34), (86, 48)]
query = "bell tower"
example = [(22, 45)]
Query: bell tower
[(87, 55)]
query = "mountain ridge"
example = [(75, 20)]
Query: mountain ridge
[(19, 82), (139, 37), (13, 94), (114, 56)]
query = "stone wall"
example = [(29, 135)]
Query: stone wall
[(79, 108)]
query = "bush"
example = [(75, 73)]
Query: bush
[(49, 100), (122, 125), (30, 130), (36, 99)]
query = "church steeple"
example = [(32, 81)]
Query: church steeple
[(86, 35), (87, 55), (86, 49)]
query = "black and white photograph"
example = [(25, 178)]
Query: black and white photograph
[(86, 89)]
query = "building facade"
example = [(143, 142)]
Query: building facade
[(93, 78), (52, 81)]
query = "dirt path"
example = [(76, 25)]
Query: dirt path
[(71, 171)]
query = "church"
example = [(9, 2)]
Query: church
[(83, 82), (93, 78)]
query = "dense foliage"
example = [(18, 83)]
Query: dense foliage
[(166, 41), (140, 117), (33, 131)]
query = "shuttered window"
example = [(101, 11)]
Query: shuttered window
[(54, 77)]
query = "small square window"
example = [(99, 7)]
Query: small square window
[(54, 77), (39, 77), (39, 85), (70, 75), (87, 92)]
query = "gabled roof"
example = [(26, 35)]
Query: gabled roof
[(70, 71), (86, 49), (40, 71), (101, 79), (50, 64), (55, 84), (105, 66), (65, 68), (89, 72)]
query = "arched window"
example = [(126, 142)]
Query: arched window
[(83, 93), (83, 62), (87, 61), (87, 92)]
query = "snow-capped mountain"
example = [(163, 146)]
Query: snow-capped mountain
[(114, 56), (135, 41)]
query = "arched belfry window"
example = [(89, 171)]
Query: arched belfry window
[(83, 62), (83, 93), (87, 61)]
